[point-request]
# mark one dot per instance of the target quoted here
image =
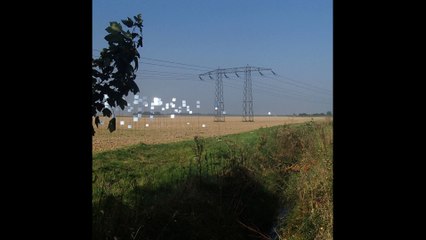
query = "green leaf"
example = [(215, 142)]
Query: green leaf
[(133, 87), (122, 103), (136, 63), (109, 30), (97, 121), (111, 125), (99, 106), (106, 112), (128, 35), (128, 22), (136, 18), (114, 38), (113, 73), (115, 26), (111, 100)]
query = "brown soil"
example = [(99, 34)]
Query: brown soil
[(165, 130)]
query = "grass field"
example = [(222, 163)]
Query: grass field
[(269, 183), (165, 130)]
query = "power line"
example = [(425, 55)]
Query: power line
[(161, 65), (274, 87), (297, 97), (181, 76), (300, 86), (294, 82), (166, 75), (146, 78), (302, 83), (289, 81), (276, 92), (270, 90), (170, 72), (272, 93), (172, 62), (267, 86), (248, 115), (185, 64)]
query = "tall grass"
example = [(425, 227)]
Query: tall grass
[(233, 187), (307, 156)]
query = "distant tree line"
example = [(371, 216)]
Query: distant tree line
[(314, 114), (210, 114)]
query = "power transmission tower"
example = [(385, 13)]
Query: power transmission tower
[(248, 115), (219, 104), (248, 98)]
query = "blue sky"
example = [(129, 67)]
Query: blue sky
[(293, 37)]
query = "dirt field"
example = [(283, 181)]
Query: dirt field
[(164, 129)]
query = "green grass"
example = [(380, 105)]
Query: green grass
[(234, 188)]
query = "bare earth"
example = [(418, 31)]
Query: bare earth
[(164, 129)]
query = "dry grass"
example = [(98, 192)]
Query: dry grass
[(309, 185), (165, 130)]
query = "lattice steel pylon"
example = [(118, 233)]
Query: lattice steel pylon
[(248, 98), (219, 103), (219, 114)]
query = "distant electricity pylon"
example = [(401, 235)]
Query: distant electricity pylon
[(248, 115)]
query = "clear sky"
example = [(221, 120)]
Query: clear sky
[(293, 37)]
